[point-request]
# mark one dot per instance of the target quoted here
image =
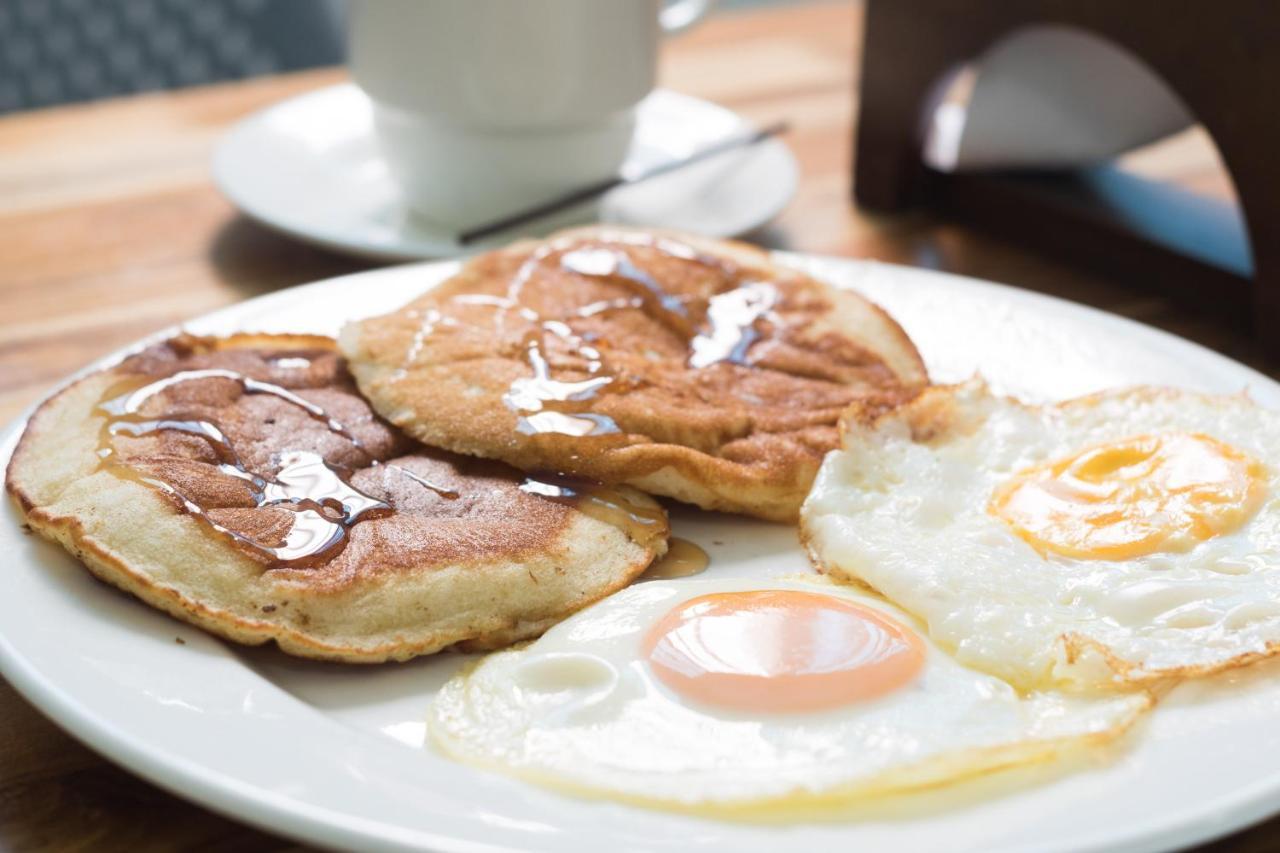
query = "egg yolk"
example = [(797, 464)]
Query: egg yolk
[(781, 651), (1133, 497)]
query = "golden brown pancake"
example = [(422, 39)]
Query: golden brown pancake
[(243, 485), (686, 367)]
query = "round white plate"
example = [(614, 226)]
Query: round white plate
[(335, 755), (310, 167)]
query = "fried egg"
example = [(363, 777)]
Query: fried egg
[(722, 696), (1105, 541)]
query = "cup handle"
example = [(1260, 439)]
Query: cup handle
[(683, 15)]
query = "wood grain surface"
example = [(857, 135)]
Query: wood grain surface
[(110, 228)]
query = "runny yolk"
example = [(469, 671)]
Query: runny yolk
[(1133, 497), (781, 651)]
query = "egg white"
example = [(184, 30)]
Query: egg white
[(580, 710), (903, 508)]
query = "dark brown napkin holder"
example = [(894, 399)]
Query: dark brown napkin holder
[(1220, 58)]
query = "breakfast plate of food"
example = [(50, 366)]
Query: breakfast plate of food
[(636, 535)]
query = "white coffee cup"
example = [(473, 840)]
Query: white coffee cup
[(484, 107)]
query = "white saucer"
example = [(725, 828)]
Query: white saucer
[(310, 167)]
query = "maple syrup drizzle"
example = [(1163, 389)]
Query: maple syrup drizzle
[(544, 404), (201, 429), (425, 330), (665, 245), (618, 266), (528, 393), (550, 405), (683, 558), (547, 405), (565, 423), (130, 402), (324, 506), (446, 493), (580, 345), (732, 317), (433, 318), (300, 549), (484, 299), (642, 524), (594, 308), (732, 314)]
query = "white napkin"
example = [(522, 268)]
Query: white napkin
[(1051, 97)]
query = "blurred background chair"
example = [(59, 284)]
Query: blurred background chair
[(64, 51)]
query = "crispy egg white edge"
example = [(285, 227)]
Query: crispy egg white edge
[(908, 517), (461, 723)]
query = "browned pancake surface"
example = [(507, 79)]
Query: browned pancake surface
[(690, 368), (267, 452)]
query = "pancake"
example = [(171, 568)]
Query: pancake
[(243, 485), (690, 368)]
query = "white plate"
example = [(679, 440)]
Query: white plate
[(310, 167), (334, 755)]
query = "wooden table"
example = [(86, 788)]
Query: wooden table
[(110, 228)]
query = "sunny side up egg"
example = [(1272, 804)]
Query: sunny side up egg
[(729, 696), (1098, 543)]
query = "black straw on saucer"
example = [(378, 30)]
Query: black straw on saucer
[(599, 188)]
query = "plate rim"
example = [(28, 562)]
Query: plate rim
[(250, 803)]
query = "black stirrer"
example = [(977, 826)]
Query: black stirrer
[(599, 188)]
